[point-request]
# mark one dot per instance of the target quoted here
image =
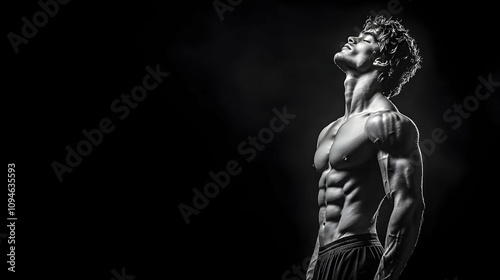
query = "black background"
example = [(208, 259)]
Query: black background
[(119, 207)]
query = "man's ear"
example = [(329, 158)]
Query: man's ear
[(380, 62)]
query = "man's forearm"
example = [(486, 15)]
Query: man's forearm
[(312, 263), (402, 235)]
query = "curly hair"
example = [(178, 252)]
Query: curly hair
[(398, 49)]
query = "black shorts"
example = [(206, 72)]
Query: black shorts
[(354, 257)]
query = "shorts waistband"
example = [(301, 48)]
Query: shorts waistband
[(350, 242)]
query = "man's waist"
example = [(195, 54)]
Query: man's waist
[(351, 242)]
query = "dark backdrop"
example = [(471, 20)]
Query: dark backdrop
[(119, 207)]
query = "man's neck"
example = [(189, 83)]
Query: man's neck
[(360, 90)]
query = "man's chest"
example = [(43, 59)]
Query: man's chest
[(344, 144)]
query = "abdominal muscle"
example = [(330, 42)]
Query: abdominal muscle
[(348, 202)]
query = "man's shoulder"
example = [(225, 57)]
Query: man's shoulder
[(391, 131), (383, 118)]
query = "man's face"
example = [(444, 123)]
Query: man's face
[(358, 54)]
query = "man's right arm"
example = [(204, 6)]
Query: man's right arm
[(312, 263), (401, 166)]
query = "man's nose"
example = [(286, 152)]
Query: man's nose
[(351, 40)]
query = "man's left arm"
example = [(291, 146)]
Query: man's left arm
[(401, 165)]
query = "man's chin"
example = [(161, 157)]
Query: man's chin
[(339, 60)]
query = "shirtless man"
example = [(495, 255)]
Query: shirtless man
[(369, 155)]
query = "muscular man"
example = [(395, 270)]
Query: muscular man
[(369, 155)]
